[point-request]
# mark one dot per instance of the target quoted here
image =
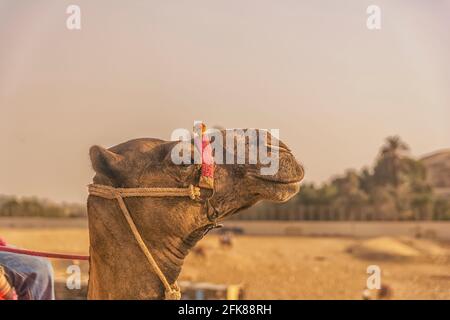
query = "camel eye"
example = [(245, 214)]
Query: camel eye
[(185, 167)]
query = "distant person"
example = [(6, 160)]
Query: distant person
[(226, 240), (25, 277), (384, 293)]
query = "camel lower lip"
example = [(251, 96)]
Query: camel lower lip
[(286, 182)]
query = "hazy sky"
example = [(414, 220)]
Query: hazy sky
[(143, 68)]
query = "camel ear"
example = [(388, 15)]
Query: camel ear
[(105, 162)]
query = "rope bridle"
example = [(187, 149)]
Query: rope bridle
[(172, 292)]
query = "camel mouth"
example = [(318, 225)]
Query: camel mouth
[(277, 181)]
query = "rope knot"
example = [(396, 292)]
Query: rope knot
[(194, 192), (173, 293)]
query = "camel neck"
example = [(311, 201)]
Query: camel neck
[(118, 267), (112, 281)]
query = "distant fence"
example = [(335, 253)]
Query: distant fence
[(292, 211), (425, 229), (41, 222)]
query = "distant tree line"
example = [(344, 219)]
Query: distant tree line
[(11, 206), (394, 189)]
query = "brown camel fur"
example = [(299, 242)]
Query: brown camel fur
[(170, 226)]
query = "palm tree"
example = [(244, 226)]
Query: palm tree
[(394, 146), (390, 163)]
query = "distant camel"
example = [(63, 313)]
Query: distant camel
[(169, 226)]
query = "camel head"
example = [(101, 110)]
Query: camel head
[(241, 184), (170, 226)]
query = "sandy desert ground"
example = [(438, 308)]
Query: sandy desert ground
[(277, 267)]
